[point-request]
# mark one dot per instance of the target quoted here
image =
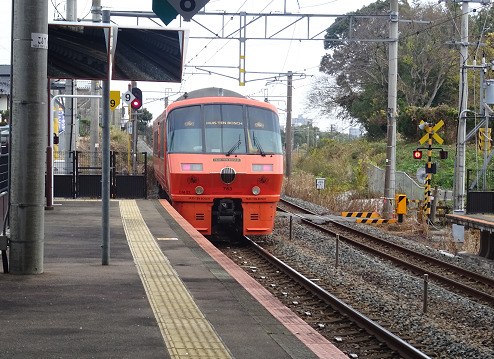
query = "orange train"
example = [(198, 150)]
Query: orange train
[(218, 159)]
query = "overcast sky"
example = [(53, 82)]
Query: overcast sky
[(263, 57)]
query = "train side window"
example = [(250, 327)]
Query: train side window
[(155, 143), (162, 139)]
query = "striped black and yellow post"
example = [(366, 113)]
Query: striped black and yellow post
[(429, 175), (427, 205), (375, 220), (360, 214), (430, 167)]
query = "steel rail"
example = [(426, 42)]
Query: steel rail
[(394, 342), (416, 269)]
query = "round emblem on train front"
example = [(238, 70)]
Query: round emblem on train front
[(227, 175)]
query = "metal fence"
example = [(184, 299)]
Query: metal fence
[(480, 194), (4, 187), (480, 181), (4, 172), (404, 184), (78, 174)]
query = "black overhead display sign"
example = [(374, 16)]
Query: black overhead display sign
[(78, 52), (148, 55)]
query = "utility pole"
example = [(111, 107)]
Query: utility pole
[(94, 127), (389, 178), (288, 132), (134, 136), (105, 165), (70, 135), (29, 112), (459, 182)]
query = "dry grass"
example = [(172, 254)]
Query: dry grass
[(302, 185), (472, 241), (118, 141)]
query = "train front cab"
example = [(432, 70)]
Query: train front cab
[(224, 163), (226, 195), (249, 218)]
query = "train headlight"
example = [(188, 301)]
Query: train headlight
[(262, 168), (256, 190), (191, 167), (199, 190)]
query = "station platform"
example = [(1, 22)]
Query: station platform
[(167, 292), (483, 222)]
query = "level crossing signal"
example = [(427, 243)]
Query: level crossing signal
[(417, 154), (137, 101)]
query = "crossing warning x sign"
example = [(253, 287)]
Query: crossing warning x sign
[(432, 130)]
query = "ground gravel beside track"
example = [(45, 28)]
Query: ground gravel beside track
[(453, 327)]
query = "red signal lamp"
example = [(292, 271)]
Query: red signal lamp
[(137, 101), (417, 154), (136, 104)]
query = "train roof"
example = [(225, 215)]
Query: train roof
[(209, 92)]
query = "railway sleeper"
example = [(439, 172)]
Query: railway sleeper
[(363, 337)]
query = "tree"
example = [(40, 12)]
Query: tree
[(143, 119), (357, 72)]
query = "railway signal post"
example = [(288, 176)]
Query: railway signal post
[(430, 168)]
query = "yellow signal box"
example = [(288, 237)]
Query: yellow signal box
[(484, 140)]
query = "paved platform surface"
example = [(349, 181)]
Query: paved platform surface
[(166, 293), (482, 221)]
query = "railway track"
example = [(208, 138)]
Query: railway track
[(457, 279), (352, 332)]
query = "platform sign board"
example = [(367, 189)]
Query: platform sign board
[(78, 51), (114, 99), (128, 97), (149, 54), (320, 183)]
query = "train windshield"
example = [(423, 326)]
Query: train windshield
[(223, 128), (263, 131)]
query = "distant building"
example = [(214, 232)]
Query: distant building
[(4, 87), (300, 121)]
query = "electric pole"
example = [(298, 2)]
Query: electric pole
[(459, 182), (29, 113), (134, 135), (288, 132), (94, 126), (70, 135), (392, 112), (105, 164), (460, 166)]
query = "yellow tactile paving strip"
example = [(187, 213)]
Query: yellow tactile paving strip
[(186, 331)]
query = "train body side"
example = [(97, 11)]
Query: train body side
[(232, 180)]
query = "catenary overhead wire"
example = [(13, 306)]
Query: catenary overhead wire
[(200, 51), (221, 48)]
